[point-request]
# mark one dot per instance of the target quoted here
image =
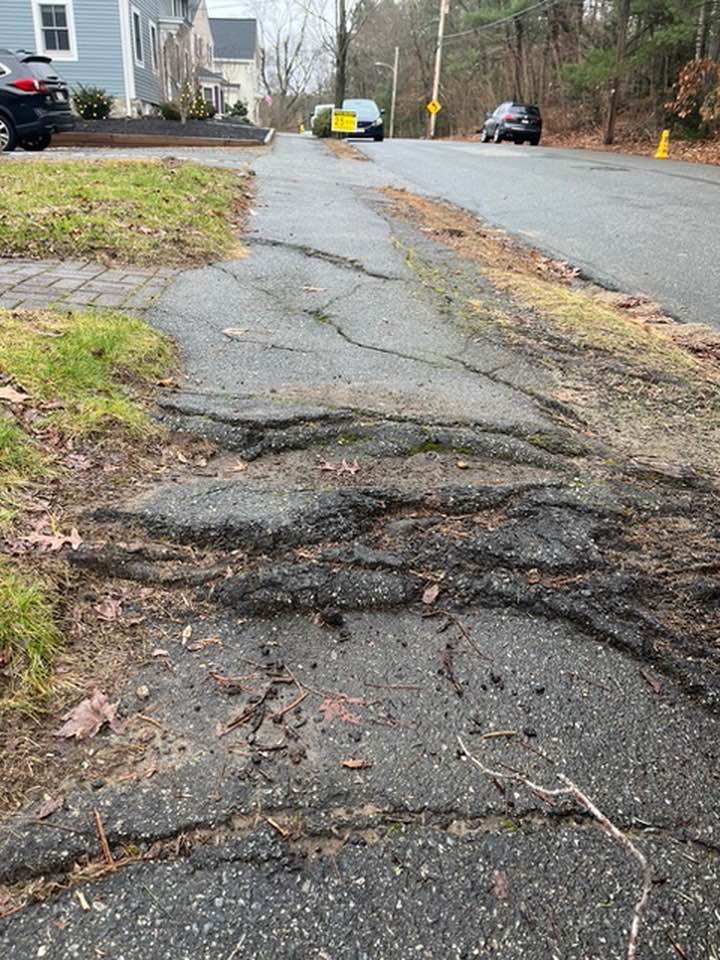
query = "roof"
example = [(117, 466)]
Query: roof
[(234, 39), (205, 74)]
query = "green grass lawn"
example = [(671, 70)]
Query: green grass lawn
[(134, 212), (84, 375)]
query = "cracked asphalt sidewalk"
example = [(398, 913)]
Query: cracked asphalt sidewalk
[(414, 546)]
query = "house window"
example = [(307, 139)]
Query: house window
[(137, 37), (180, 9), (154, 46), (54, 29)]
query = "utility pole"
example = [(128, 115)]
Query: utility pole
[(394, 69), (444, 7), (396, 63), (623, 19)]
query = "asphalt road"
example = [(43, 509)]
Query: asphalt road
[(633, 223)]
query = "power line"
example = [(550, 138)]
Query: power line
[(508, 19)]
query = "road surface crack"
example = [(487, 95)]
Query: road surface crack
[(348, 263)]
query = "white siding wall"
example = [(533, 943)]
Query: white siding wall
[(242, 77)]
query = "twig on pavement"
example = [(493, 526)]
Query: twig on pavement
[(571, 789)]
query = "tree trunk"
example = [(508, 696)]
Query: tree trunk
[(701, 30), (714, 37), (519, 60), (614, 100)]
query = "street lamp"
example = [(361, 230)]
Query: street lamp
[(394, 70)]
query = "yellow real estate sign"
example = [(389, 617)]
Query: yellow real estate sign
[(344, 121)]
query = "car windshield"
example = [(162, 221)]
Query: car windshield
[(522, 109), (365, 109)]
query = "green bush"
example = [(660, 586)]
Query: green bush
[(92, 103), (322, 124), (239, 110), (170, 111)]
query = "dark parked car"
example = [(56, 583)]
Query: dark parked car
[(34, 101), (369, 119), (513, 121)]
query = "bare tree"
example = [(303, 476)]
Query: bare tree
[(288, 58)]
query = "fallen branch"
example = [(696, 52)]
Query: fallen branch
[(572, 790)]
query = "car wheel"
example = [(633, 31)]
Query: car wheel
[(484, 135), (379, 139), (39, 142), (497, 136), (8, 137), (534, 141)]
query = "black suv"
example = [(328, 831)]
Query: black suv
[(34, 101), (513, 121)]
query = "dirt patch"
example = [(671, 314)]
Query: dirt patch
[(344, 150)]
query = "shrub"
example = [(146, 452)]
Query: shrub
[(92, 103), (322, 124), (170, 111), (196, 107), (239, 110), (200, 109)]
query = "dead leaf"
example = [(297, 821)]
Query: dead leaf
[(52, 541), (86, 719), (336, 708), (653, 682), (355, 763), (314, 289), (181, 457), (108, 609), (48, 807), (462, 465), (186, 634), (430, 594), (501, 885), (239, 467), (159, 652), (234, 332), (351, 468), (9, 394)]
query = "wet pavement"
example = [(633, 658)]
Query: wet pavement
[(416, 556)]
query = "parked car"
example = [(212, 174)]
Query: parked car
[(513, 121), (369, 119), (34, 101)]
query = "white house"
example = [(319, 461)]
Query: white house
[(235, 57)]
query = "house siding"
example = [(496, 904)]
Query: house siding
[(147, 81), (241, 75), (97, 31)]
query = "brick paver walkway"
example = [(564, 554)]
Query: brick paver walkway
[(73, 284)]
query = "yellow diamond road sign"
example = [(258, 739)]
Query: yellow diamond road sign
[(433, 106), (344, 121)]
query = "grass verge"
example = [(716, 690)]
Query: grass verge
[(81, 380), (163, 212), (29, 637), (646, 385), (81, 368)]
